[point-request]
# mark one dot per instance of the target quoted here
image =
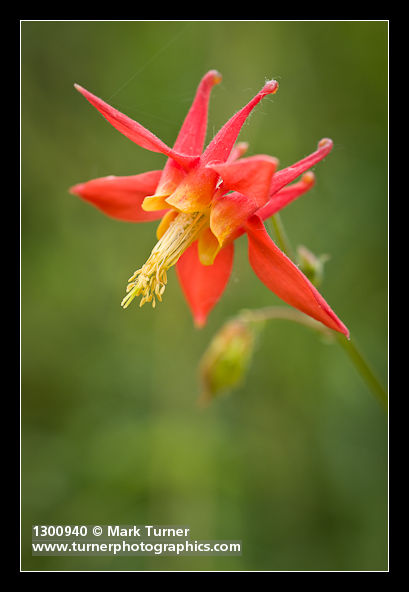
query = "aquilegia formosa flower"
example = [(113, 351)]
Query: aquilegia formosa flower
[(205, 201)]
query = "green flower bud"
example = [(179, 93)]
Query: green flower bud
[(227, 358)]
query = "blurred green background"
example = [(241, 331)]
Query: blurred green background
[(294, 462)]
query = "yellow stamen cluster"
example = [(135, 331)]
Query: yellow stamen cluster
[(150, 280)]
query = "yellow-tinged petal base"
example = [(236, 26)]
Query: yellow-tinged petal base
[(208, 247), (165, 223), (153, 203), (195, 192)]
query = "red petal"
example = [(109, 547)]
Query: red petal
[(283, 278), (192, 134), (229, 213), (134, 130), (250, 176), (222, 144), (203, 285), (238, 150), (196, 190), (286, 195), (121, 197), (289, 174)]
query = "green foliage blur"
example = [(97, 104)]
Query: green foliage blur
[(294, 462)]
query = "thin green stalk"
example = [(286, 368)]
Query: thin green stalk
[(348, 345), (363, 368), (282, 239), (282, 312), (268, 313)]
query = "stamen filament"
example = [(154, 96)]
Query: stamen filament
[(151, 279)]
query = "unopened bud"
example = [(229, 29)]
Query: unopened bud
[(311, 265), (226, 360)]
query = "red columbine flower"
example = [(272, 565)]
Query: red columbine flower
[(205, 201)]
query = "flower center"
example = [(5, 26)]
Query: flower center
[(150, 280)]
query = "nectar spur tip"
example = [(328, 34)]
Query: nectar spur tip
[(270, 87)]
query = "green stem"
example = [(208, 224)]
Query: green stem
[(348, 345), (260, 315), (363, 368), (282, 312), (282, 239)]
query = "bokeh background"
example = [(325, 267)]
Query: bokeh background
[(294, 462)]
